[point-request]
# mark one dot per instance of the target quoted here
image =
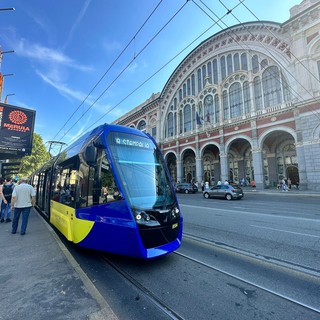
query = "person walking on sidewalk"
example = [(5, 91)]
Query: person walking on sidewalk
[(6, 195), (23, 198)]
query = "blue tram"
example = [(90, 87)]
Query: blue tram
[(111, 191)]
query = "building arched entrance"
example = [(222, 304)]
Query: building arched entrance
[(211, 164), (189, 166), (240, 162), (280, 158)]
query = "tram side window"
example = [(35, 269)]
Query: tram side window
[(64, 185), (102, 185), (82, 186)]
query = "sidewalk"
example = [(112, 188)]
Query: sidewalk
[(40, 280), (275, 191)]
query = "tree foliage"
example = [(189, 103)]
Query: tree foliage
[(39, 155)]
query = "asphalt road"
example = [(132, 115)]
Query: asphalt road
[(256, 258)]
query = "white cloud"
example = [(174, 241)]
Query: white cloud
[(77, 21), (47, 55), (61, 87)]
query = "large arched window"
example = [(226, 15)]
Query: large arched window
[(188, 87), (255, 64), (217, 108), (257, 93), (187, 118), (271, 87), (244, 61), (286, 89), (225, 105), (142, 125), (193, 85), (236, 62), (170, 125), (209, 66), (199, 80), (246, 97), (204, 75), (236, 102), (229, 64), (223, 67)]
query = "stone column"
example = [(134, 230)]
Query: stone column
[(303, 179), (199, 169), (257, 158), (224, 165), (272, 167), (179, 170), (301, 126)]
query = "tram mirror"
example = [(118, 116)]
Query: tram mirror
[(91, 155)]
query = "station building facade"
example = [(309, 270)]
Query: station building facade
[(244, 104)]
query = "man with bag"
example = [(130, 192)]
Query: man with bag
[(23, 198)]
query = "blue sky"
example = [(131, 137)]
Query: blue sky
[(68, 64)]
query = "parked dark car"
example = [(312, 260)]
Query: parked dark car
[(186, 188), (228, 192)]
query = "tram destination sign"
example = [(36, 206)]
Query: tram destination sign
[(16, 131)]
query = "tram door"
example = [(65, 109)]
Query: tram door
[(47, 192)]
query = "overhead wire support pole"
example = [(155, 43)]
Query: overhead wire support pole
[(56, 142)]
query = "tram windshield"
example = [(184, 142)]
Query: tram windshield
[(141, 170)]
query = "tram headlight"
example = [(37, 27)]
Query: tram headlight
[(143, 218), (175, 212)]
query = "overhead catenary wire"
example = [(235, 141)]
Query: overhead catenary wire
[(318, 80), (265, 47), (156, 72), (125, 68), (117, 104), (150, 77), (110, 67), (272, 55)]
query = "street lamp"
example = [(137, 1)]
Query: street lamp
[(8, 95), (10, 51), (7, 9)]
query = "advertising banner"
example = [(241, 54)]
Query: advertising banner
[(16, 131)]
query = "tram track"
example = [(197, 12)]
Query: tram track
[(276, 265), (267, 259), (166, 309), (161, 305)]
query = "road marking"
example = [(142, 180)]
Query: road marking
[(250, 213), (299, 233)]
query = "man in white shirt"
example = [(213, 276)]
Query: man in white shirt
[(23, 198)]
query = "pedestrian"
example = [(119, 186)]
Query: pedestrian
[(284, 185), (253, 185), (23, 198), (6, 195), (2, 180), (105, 194)]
